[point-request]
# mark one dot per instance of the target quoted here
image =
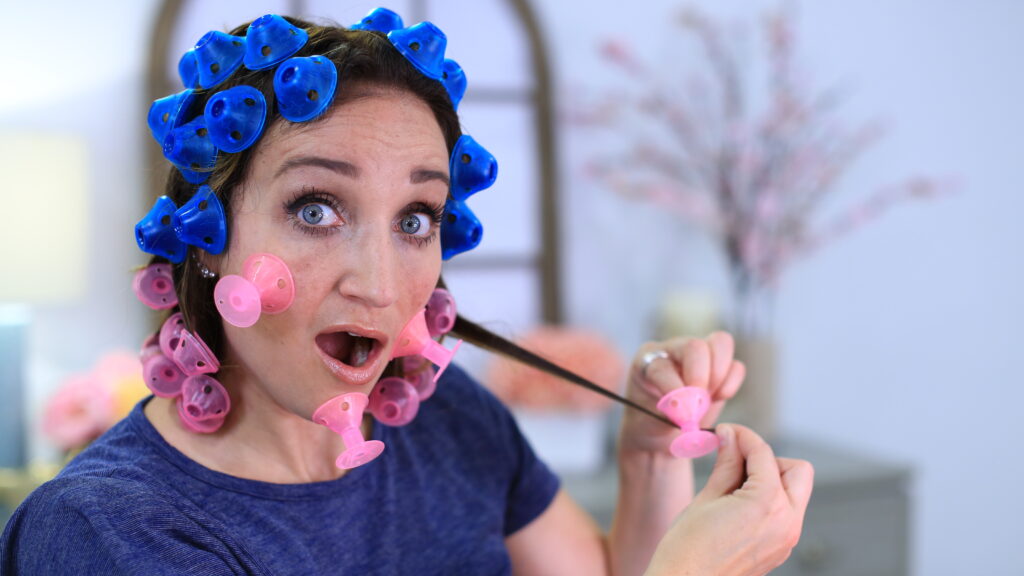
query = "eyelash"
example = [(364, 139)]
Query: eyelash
[(435, 212), (304, 198), (310, 195)]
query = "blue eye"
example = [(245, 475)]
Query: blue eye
[(312, 214), (417, 224)]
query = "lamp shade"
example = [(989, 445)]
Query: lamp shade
[(43, 217)]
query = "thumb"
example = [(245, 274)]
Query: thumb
[(729, 471)]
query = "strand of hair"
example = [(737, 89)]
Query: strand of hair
[(483, 338)]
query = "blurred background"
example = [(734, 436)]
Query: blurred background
[(831, 181)]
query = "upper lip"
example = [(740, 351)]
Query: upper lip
[(380, 337)]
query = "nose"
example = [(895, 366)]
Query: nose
[(371, 272)]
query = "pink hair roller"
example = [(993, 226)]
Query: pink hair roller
[(420, 373), (162, 375), (415, 339), (203, 404), (193, 356), (343, 415), (265, 286), (394, 401), (150, 347), (170, 332), (685, 407), (441, 313), (154, 286)]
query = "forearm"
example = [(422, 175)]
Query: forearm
[(653, 489)]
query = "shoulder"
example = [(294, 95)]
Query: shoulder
[(80, 524)]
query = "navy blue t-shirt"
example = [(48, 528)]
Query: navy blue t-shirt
[(448, 489)]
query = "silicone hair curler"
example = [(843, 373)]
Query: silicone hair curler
[(162, 375), (472, 168), (170, 332), (154, 286), (193, 356), (188, 69), (423, 45), (415, 339), (454, 80), (150, 347), (343, 414), (420, 373), (441, 312), (189, 146), (155, 234), (235, 117), (203, 404), (305, 87), (271, 39), (461, 231), (218, 55), (167, 113), (685, 407), (265, 286), (201, 222), (379, 20), (394, 401)]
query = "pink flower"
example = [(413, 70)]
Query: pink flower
[(78, 413)]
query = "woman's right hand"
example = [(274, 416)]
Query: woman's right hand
[(748, 517)]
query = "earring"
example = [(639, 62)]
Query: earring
[(203, 270)]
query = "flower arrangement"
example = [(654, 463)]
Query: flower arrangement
[(580, 351), (755, 180), (86, 405)]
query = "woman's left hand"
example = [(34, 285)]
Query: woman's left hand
[(704, 362)]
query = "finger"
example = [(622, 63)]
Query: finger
[(696, 363), (729, 388), (661, 375), (723, 349), (761, 466), (797, 478), (733, 380), (727, 474)]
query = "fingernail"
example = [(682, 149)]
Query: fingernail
[(725, 435)]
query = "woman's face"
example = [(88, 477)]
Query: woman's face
[(352, 205)]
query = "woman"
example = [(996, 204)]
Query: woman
[(350, 194)]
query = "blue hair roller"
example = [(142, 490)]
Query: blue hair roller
[(235, 117), (472, 168), (155, 233), (270, 40), (460, 229), (423, 45), (189, 146), (168, 113), (193, 177), (201, 221), (305, 87), (454, 80), (188, 70), (379, 20), (217, 56)]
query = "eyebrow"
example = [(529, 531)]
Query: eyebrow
[(418, 176)]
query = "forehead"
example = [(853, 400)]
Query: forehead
[(369, 120)]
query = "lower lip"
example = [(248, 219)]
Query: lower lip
[(351, 375)]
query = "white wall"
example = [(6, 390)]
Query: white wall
[(899, 340)]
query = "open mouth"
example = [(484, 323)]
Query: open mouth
[(349, 348)]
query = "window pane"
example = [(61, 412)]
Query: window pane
[(487, 40)]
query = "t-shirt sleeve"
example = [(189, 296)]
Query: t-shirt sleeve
[(106, 526)]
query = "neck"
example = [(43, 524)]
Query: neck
[(260, 440)]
